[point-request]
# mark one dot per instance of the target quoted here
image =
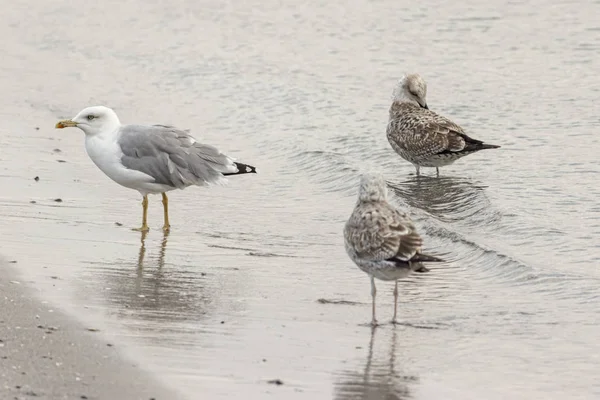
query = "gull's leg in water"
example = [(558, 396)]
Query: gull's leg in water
[(418, 170), (395, 303), (437, 170), (144, 227), (165, 202), (373, 293)]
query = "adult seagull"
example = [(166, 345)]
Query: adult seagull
[(150, 159)]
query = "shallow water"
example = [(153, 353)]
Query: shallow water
[(230, 299)]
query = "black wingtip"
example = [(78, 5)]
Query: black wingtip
[(422, 270), (242, 169), (425, 258), (472, 145), (417, 258), (488, 146)]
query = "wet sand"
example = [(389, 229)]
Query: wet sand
[(45, 354)]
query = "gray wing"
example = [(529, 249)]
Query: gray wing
[(171, 127), (380, 232), (423, 132), (172, 156)]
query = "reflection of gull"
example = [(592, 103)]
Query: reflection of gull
[(449, 199), (150, 159), (379, 380), (421, 136), (165, 296), (382, 241), (161, 254)]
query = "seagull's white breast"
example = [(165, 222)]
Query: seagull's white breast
[(106, 154)]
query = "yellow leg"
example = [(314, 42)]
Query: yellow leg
[(165, 202), (144, 227)]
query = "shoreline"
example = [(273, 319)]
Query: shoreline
[(47, 354)]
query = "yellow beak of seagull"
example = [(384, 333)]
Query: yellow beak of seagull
[(65, 123)]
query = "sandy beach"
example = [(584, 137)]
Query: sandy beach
[(45, 354)]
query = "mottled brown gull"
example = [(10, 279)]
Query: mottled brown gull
[(150, 159), (382, 241), (421, 136)]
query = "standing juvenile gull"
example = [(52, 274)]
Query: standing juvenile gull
[(421, 136), (382, 241), (150, 159)]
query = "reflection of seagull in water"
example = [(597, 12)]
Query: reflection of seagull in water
[(421, 136), (161, 253), (449, 199), (382, 241), (379, 380), (150, 159)]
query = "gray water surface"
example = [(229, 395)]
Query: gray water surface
[(230, 299)]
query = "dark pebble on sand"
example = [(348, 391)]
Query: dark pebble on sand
[(83, 396), (37, 128), (118, 224), (58, 200), (275, 382), (57, 150), (33, 201), (37, 178), (61, 160)]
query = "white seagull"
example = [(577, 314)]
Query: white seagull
[(421, 136), (382, 241), (150, 159)]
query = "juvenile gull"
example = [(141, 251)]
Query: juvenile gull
[(150, 159), (382, 241), (421, 136)]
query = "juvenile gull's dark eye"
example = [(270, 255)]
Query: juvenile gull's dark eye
[(90, 117)]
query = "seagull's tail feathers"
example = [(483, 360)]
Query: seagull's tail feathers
[(242, 169)]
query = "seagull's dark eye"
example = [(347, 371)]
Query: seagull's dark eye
[(90, 117)]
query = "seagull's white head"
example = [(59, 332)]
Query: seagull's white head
[(372, 188), (93, 121), (411, 88)]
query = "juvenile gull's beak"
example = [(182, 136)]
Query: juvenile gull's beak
[(65, 123), (425, 106)]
